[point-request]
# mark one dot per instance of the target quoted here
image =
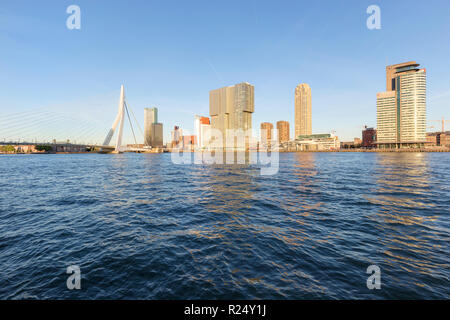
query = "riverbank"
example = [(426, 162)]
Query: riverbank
[(375, 150), (427, 150)]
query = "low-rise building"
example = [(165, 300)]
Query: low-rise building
[(356, 143), (189, 142), (438, 139), (313, 142), (369, 138)]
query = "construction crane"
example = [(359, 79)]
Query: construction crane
[(443, 121)]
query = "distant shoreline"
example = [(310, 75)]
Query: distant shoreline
[(309, 151), (375, 151)]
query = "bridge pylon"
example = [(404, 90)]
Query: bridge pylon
[(117, 122)]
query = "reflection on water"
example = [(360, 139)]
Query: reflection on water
[(406, 220), (141, 227), (402, 184), (231, 187)]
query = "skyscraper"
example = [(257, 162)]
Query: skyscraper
[(283, 131), (177, 136), (401, 110), (303, 121), (391, 73), (150, 117), (156, 135), (231, 108), (268, 127)]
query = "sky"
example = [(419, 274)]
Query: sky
[(170, 54)]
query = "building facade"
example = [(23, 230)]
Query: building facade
[(156, 135), (177, 135), (438, 139), (268, 128), (355, 144), (202, 125), (401, 112), (391, 74), (283, 131), (189, 142), (314, 142), (231, 108), (150, 117), (387, 117), (303, 115), (369, 138)]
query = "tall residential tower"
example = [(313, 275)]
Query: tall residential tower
[(267, 137), (283, 131), (303, 121)]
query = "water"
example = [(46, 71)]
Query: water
[(140, 227)]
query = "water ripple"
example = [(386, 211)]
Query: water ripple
[(142, 228)]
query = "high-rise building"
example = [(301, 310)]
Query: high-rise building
[(391, 73), (156, 135), (202, 124), (231, 108), (303, 117), (401, 111), (150, 117), (283, 131), (387, 117), (268, 136), (177, 135)]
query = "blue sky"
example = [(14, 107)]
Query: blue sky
[(170, 54)]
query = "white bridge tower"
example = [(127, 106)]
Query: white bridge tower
[(118, 121)]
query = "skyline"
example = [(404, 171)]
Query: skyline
[(78, 71), (235, 158)]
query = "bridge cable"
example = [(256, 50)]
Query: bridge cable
[(137, 123), (131, 125)]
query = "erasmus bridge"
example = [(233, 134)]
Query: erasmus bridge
[(44, 127)]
